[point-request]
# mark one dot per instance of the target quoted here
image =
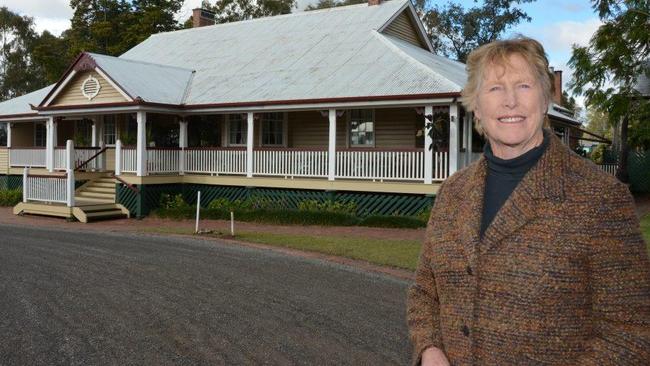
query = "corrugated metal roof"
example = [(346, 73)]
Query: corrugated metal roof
[(151, 82), (21, 105), (332, 53)]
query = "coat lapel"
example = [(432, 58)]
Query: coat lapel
[(471, 210), (545, 181)]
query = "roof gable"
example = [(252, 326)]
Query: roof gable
[(72, 92)]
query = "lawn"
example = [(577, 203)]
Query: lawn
[(393, 253), (645, 230)]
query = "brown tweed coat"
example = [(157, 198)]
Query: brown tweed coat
[(561, 276)]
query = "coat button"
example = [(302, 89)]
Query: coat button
[(465, 330), (469, 271)]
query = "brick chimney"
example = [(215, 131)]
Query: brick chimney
[(373, 2), (557, 80), (202, 17)]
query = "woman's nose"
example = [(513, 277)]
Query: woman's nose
[(510, 98)]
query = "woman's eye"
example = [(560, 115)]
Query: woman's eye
[(524, 86), (494, 88)]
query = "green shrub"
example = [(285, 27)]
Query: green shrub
[(349, 208), (168, 201), (401, 222), (10, 197)]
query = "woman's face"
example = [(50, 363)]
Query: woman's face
[(511, 108)]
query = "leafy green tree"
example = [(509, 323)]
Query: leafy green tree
[(227, 11), (18, 72), (323, 4), (598, 122), (606, 71), (50, 53), (455, 31)]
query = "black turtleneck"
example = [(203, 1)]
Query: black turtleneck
[(503, 176)]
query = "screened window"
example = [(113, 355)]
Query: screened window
[(238, 129), (110, 130), (273, 128), (3, 134), (40, 133), (362, 127)]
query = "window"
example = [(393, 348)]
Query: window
[(3, 134), (83, 132), (40, 133), (362, 127), (238, 126), (110, 131), (273, 128)]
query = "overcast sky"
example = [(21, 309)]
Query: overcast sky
[(556, 23)]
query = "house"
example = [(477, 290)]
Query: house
[(328, 103)]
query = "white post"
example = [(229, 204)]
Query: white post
[(118, 157), (69, 154), (70, 188), (25, 175), (94, 138), (249, 146), (232, 223), (9, 135), (198, 211), (49, 144), (182, 144), (454, 149), (467, 155), (428, 141), (331, 153), (141, 147)]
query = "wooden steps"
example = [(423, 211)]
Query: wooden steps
[(95, 200)]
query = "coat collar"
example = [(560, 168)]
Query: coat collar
[(544, 182)]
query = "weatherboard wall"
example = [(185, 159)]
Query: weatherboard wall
[(71, 94)]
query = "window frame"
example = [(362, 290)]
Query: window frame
[(348, 131), (115, 130), (284, 130), (38, 125)]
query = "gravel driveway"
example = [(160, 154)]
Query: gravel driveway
[(92, 298)]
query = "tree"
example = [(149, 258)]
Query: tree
[(227, 11), (50, 53), (607, 69), (598, 122), (323, 4), (18, 72), (111, 27), (455, 31)]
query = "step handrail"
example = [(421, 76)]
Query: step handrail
[(90, 159), (128, 185)]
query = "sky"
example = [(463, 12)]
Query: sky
[(556, 23)]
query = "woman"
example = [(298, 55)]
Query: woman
[(533, 255)]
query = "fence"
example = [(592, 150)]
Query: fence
[(81, 155), (49, 188), (291, 163), (215, 160), (27, 157)]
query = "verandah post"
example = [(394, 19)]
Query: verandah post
[(69, 154), (182, 144), (454, 148), (141, 146), (249, 145), (25, 175), (9, 135), (118, 157), (331, 152), (50, 143), (70, 187), (428, 150)]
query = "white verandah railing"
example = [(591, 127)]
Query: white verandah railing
[(28, 157), (290, 162), (215, 160), (81, 155), (49, 188), (396, 165)]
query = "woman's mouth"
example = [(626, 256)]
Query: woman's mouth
[(511, 119)]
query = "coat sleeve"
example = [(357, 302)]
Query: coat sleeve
[(422, 303), (620, 284)]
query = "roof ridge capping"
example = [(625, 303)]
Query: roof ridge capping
[(91, 54), (297, 14)]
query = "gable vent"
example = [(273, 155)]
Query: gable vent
[(90, 88)]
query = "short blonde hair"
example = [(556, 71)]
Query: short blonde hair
[(497, 53)]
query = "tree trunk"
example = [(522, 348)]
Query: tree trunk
[(621, 172)]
